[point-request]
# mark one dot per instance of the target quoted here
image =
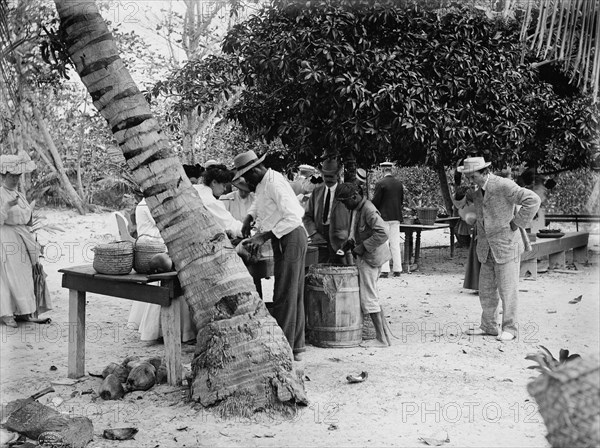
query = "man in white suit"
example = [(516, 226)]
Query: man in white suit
[(503, 211)]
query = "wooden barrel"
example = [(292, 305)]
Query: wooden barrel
[(332, 302)]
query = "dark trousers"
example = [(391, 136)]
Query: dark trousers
[(288, 294)]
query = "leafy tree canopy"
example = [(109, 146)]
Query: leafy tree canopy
[(393, 80)]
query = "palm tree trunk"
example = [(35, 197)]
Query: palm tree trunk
[(242, 360)]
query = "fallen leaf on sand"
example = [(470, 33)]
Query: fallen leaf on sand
[(576, 299), (551, 311), (332, 427), (436, 439)]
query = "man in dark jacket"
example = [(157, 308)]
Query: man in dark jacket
[(327, 221), (388, 198)]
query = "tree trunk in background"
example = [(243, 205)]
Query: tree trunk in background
[(72, 195), (242, 360)]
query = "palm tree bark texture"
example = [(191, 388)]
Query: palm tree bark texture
[(242, 360)]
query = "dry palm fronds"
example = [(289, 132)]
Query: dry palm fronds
[(568, 31)]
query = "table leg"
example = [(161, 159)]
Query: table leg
[(418, 248), (407, 248), (170, 320), (76, 344)]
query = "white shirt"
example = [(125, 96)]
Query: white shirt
[(331, 196), (275, 205), (145, 224), (236, 205), (216, 208)]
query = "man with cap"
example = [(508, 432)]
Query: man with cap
[(368, 243), (327, 221), (503, 210), (361, 181), (388, 198), (238, 202), (302, 185), (280, 214)]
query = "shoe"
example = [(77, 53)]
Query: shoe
[(384, 275), (297, 357), (505, 336), (373, 343), (397, 274), (479, 332), (9, 321)]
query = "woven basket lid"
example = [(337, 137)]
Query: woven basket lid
[(115, 246)]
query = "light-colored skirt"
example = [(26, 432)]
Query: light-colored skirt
[(145, 317), (17, 295)]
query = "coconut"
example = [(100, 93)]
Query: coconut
[(130, 359), (111, 388), (160, 263), (155, 361), (141, 377), (118, 370), (161, 374)]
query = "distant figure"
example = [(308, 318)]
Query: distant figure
[(367, 241), (303, 185), (388, 198), (327, 221), (501, 220), (193, 172), (361, 181), (238, 202)]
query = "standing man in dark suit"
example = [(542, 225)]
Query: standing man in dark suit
[(327, 221), (388, 198)]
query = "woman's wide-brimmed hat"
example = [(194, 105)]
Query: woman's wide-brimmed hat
[(246, 161), (472, 164), (16, 164)]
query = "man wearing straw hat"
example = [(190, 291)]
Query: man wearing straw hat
[(503, 210), (388, 198), (367, 242), (327, 221), (280, 215)]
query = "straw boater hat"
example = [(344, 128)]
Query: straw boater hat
[(329, 166), (307, 169), (472, 164), (16, 164), (361, 175), (246, 161)]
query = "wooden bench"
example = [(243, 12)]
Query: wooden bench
[(555, 249), (571, 218)]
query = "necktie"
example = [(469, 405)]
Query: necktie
[(326, 209)]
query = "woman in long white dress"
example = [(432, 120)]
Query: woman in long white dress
[(146, 316), (19, 249)]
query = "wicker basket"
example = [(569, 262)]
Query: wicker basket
[(569, 401), (427, 215), (144, 249), (114, 258)]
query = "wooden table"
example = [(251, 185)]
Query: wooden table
[(161, 289), (83, 279), (409, 229)]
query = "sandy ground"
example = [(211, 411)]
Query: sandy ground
[(433, 380)]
